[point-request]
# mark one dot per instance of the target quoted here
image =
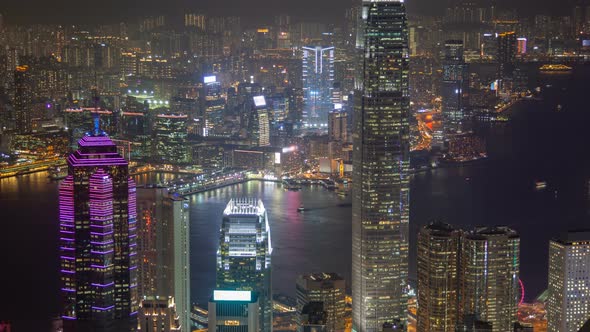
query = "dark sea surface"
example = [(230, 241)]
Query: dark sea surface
[(538, 144)]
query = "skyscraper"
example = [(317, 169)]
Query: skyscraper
[(214, 105), (453, 85), (243, 258), (568, 306), (489, 272), (438, 279), (23, 98), (506, 53), (260, 128), (171, 134), (98, 239), (326, 288), (380, 211), (163, 248), (318, 81)]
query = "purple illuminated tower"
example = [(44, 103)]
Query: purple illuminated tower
[(98, 239)]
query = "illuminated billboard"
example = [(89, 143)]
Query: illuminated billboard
[(209, 79), (229, 295)]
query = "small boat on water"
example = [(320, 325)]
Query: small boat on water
[(539, 185)]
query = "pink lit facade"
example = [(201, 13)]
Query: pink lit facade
[(98, 251)]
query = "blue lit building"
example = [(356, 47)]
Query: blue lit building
[(318, 81)]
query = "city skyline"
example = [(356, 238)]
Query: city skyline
[(154, 152)]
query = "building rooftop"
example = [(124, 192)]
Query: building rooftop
[(244, 206), (322, 276), (574, 236)]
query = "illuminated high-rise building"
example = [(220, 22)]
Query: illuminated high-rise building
[(438, 279), (23, 98), (568, 305), (318, 81), (521, 45), (243, 258), (163, 248), (454, 82), (97, 213), (214, 105), (171, 133), (489, 272), (327, 288), (260, 122), (381, 159)]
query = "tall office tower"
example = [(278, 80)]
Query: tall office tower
[(214, 105), (381, 158), (171, 134), (318, 81), (260, 122), (568, 306), (438, 280), (453, 86), (97, 213), (243, 258), (231, 311), (489, 276), (158, 314), (328, 288), (163, 248), (338, 126), (506, 53), (23, 98)]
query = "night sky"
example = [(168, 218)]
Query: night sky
[(253, 11)]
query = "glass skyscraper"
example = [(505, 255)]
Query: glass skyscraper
[(452, 88), (97, 213), (568, 305), (490, 264), (438, 277), (380, 205), (243, 258), (318, 82)]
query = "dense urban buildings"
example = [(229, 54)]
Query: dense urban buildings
[(244, 255), (327, 115), (568, 308), (98, 239), (380, 211)]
